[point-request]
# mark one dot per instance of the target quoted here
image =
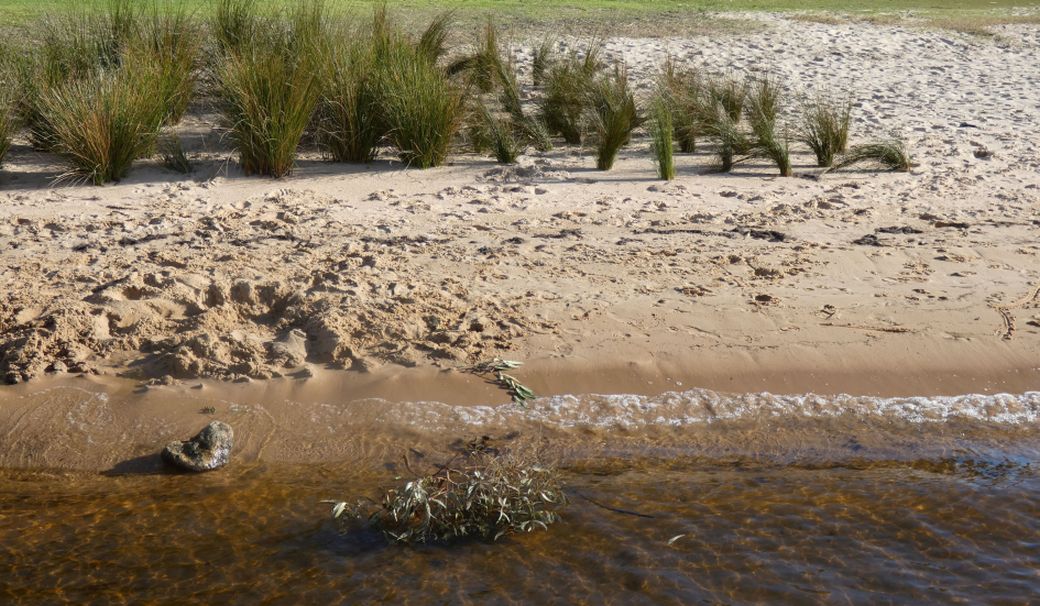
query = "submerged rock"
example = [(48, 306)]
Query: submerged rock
[(209, 450)]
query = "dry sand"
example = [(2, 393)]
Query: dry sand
[(921, 283)]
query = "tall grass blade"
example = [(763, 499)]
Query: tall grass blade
[(661, 134), (433, 43)]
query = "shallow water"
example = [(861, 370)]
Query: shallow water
[(798, 500)]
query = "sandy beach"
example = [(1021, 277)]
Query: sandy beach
[(925, 283)]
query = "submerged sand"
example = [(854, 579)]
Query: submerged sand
[(920, 283)]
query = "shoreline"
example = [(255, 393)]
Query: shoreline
[(115, 426)]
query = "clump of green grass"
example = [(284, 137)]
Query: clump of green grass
[(541, 60), (891, 155), (422, 107), (502, 138), (732, 143), (729, 92), (8, 97), (527, 130), (173, 156), (763, 109), (350, 125), (169, 39), (236, 23), (661, 134), (268, 98), (102, 123), (70, 47), (564, 106), (825, 128), (269, 89), (480, 495), (682, 91), (612, 114)]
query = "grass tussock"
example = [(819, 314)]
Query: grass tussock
[(661, 135), (79, 45), (169, 39), (267, 98), (236, 23), (350, 124), (8, 97), (480, 496), (104, 122), (825, 128), (269, 89), (891, 155), (729, 92), (612, 114), (70, 47), (565, 103), (422, 107), (682, 91), (541, 59), (173, 155), (502, 137), (763, 104), (433, 43)]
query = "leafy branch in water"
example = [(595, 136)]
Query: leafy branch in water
[(480, 496), (521, 393)]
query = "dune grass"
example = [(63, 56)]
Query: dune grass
[(267, 98), (350, 124), (280, 76), (8, 95), (170, 40), (564, 105), (891, 155), (269, 89), (661, 135), (730, 92), (173, 155), (502, 137), (422, 107), (682, 91), (612, 114), (825, 127), (732, 143), (763, 107), (542, 57), (433, 43), (235, 23), (103, 122)]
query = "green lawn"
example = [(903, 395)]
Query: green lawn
[(23, 9), (635, 17)]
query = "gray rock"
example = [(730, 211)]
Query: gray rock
[(209, 450)]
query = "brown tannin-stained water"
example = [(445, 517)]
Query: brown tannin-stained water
[(763, 499)]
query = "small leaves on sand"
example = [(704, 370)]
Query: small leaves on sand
[(521, 393)]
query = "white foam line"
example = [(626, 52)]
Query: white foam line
[(700, 406)]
